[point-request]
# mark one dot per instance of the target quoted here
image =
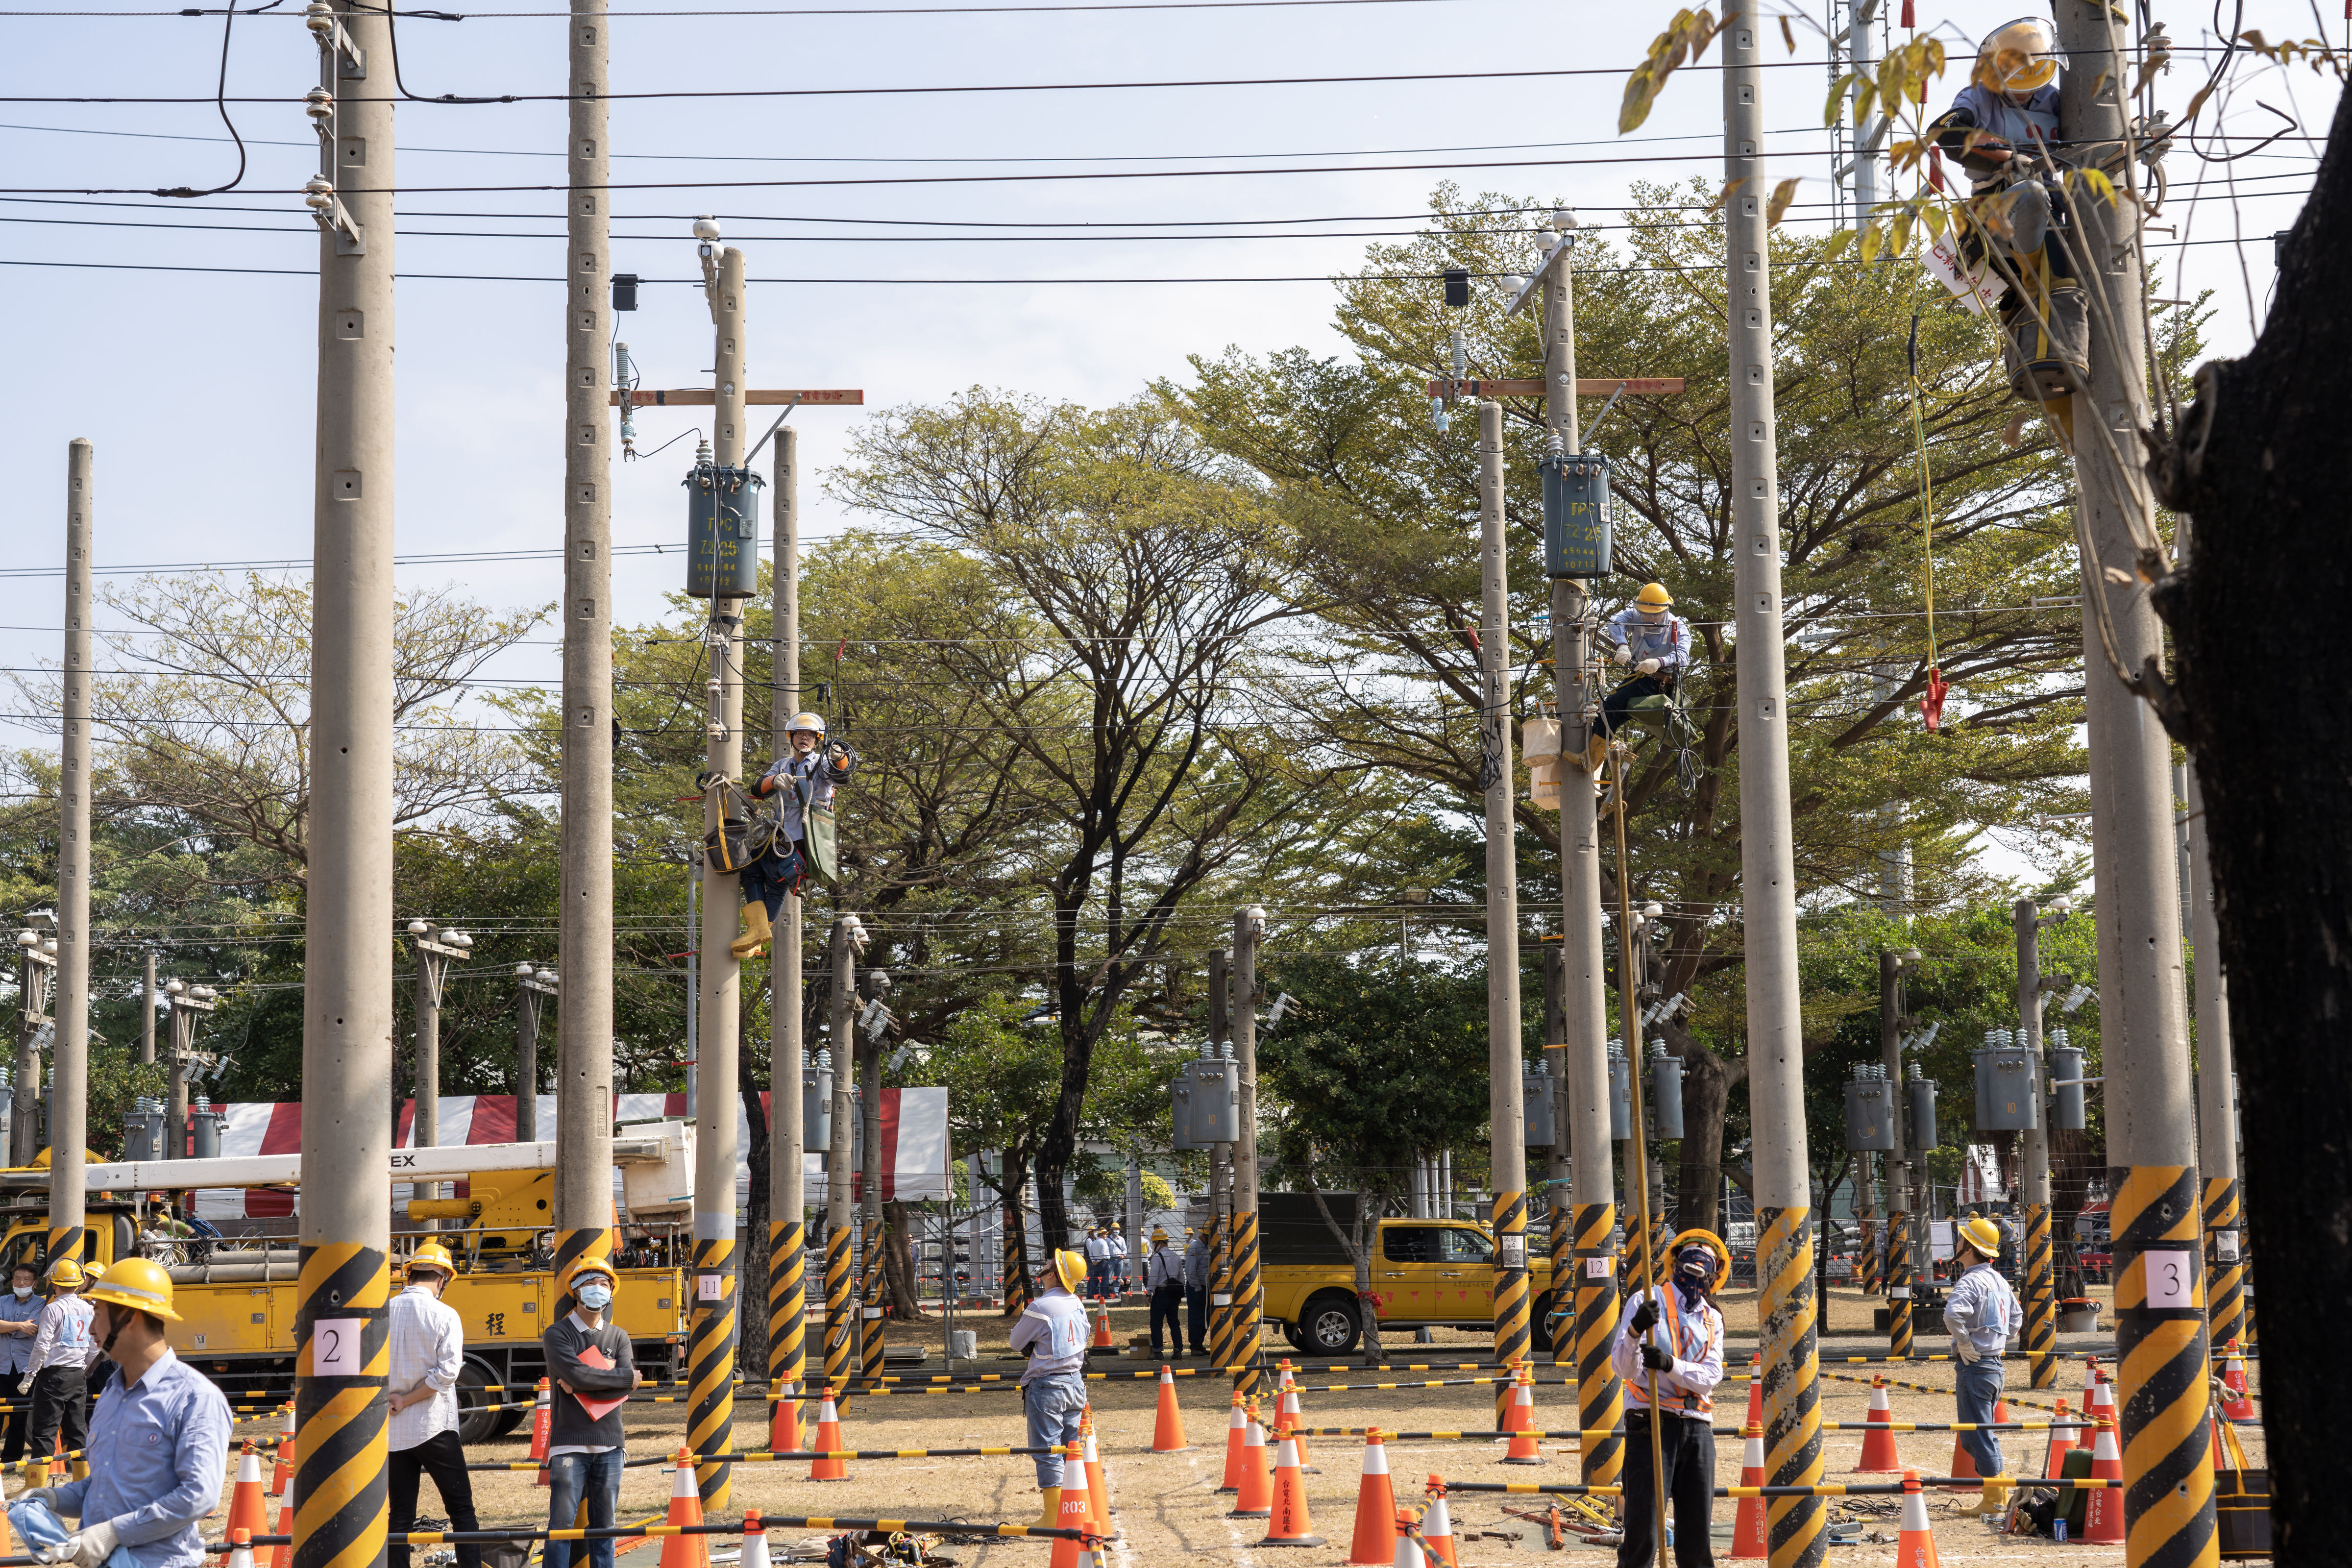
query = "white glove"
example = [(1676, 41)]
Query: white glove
[(1966, 1351), (46, 1496), (88, 1548), (1618, 656), (1647, 666), (25, 1387)]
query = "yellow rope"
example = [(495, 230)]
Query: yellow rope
[(1927, 517)]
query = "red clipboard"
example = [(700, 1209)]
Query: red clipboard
[(598, 1408)]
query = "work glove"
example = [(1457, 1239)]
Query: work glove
[(86, 1548), (1647, 666), (704, 780), (1619, 656), (46, 1496), (25, 1387), (1965, 1350), (1655, 1359), (1645, 1316)]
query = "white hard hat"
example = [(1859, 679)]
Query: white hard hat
[(2020, 56), (814, 723)]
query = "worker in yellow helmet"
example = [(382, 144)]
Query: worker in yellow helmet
[(1983, 1312), (1653, 643), (62, 1351), (593, 1366), (1053, 1334), (158, 1446), (427, 1342)]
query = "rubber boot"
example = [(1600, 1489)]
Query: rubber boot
[(81, 1469), (1052, 1514), (756, 931), (1994, 1499), (1596, 753)]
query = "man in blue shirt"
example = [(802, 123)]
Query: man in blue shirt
[(158, 1444), (20, 1313), (1649, 636), (1983, 1312)]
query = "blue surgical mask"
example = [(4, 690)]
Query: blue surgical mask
[(596, 1298)]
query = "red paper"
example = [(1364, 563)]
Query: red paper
[(597, 1408)]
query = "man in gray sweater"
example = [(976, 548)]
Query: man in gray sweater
[(593, 1368)]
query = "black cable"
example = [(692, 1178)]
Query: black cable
[(392, 36), (220, 101)]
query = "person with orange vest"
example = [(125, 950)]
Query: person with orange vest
[(1679, 1338)]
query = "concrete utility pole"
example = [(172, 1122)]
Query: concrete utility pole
[(2156, 1208), (1220, 1184), (1506, 1149), (1776, 1087), (869, 1189), (2040, 1341), (1891, 967), (531, 984), (787, 1051), (583, 955), (2217, 1099), (70, 1109), (1589, 1213), (839, 1325), (147, 1008), (343, 1297), (37, 967), (1248, 1286), (435, 949), (712, 1343)]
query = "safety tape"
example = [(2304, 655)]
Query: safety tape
[(1827, 1489)]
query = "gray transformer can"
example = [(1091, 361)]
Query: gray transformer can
[(2066, 1109), (1869, 1116), (1923, 1113), (816, 1103), (1665, 1094), (1536, 1087), (2005, 1090), (722, 532), (1621, 1098), (1216, 1113)]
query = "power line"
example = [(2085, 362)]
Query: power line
[(845, 11)]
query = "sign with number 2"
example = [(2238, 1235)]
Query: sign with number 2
[(335, 1346)]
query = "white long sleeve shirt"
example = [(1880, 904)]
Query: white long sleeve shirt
[(1983, 1310), (1695, 1339), (64, 1339), (428, 1347), (1056, 1323), (1162, 1267)]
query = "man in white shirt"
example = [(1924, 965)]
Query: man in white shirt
[(1983, 1312), (1164, 1282), (1098, 1262), (1053, 1334), (57, 1379), (1679, 1339), (1118, 1239), (427, 1347)]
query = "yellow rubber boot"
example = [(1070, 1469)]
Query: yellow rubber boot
[(756, 931), (1995, 1497), (81, 1469), (1052, 1514)]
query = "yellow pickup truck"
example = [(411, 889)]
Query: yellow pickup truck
[(1428, 1273)]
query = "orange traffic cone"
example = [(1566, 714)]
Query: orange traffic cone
[(1520, 1421), (282, 1474), (280, 1556), (1256, 1497), (685, 1507), (1236, 1437), (785, 1421), (1289, 1418), (2062, 1442), (1437, 1526), (1289, 1525), (1375, 1541), (1069, 1550), (1102, 1329), (542, 1415), (240, 1548), (1877, 1447), (1755, 1416), (2234, 1378), (1408, 1548), (2103, 1524), (2092, 1400), (1168, 1430), (1964, 1468), (828, 1441), (1916, 1547), (247, 1510), (755, 1540), (1097, 1488), (1747, 1526)]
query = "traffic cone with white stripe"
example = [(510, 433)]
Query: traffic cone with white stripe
[(281, 1474), (1408, 1550), (1097, 1488), (543, 1415), (2102, 1522), (755, 1540), (281, 1556), (1289, 1418), (247, 1510), (2238, 1406), (2092, 1400), (685, 1507), (1520, 1421), (1747, 1525), (1288, 1524), (1256, 1497), (828, 1441), (1878, 1453), (1374, 1544), (1072, 1515), (240, 1548), (1437, 1526), (785, 1421), (1916, 1546), (2061, 1443), (1102, 1329), (1237, 1437), (1168, 1428)]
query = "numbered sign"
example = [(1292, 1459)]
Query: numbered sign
[(1576, 514), (711, 1286), (335, 1349), (1515, 1251), (2172, 1278), (1596, 1267)]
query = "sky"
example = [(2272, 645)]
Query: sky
[(196, 386)]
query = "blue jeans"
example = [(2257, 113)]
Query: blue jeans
[(1053, 1405), (1978, 1388), (771, 876), (571, 1477)]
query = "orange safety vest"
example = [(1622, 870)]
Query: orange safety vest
[(1691, 1338)]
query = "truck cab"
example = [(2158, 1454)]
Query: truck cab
[(1426, 1273)]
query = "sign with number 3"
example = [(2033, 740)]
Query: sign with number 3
[(2170, 1278)]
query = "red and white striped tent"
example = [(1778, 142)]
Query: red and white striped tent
[(914, 1143)]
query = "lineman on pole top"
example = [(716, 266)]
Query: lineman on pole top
[(158, 1448), (1655, 642), (802, 782), (1683, 1344)]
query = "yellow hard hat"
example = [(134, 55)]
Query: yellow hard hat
[(1070, 1268), (432, 1255), (139, 1283), (1159, 1233), (1653, 597), (580, 1265), (1982, 1234), (1713, 1243), (66, 1274), (2019, 56)]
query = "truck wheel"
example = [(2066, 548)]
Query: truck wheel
[(476, 1425), (1329, 1323), (1540, 1322)]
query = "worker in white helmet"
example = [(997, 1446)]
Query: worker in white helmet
[(804, 777)]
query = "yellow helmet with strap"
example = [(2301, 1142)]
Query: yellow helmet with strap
[(1070, 1268), (139, 1283), (432, 1255), (2020, 57), (1653, 597), (1713, 1243), (65, 1275), (1982, 1234)]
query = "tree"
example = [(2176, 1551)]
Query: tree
[(1385, 518), (2260, 465)]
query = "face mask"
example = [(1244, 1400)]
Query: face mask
[(21, 1291), (595, 1297)]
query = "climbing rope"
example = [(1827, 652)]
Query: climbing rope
[(1931, 706)]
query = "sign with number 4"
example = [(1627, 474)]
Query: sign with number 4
[(335, 1346), (2172, 1278)]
